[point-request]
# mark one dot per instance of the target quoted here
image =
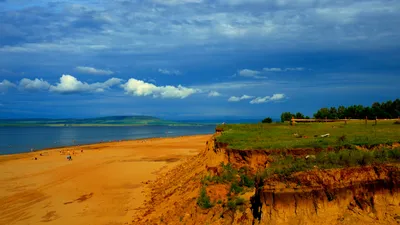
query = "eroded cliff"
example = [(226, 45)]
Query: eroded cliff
[(354, 195)]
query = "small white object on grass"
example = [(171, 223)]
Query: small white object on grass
[(310, 157), (325, 135)]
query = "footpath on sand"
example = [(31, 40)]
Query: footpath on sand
[(103, 184)]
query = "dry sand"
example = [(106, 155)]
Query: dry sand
[(104, 185)]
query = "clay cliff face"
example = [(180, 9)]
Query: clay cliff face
[(362, 195), (345, 196)]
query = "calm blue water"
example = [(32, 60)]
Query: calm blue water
[(22, 139)]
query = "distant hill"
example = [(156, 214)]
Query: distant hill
[(98, 121)]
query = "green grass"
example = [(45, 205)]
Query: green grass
[(228, 175), (281, 135), (285, 166), (234, 202), (204, 200), (239, 181)]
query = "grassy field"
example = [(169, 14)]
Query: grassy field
[(308, 135)]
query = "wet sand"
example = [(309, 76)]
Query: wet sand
[(103, 185)]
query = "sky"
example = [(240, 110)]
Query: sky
[(195, 59)]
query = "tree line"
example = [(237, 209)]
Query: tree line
[(384, 110)]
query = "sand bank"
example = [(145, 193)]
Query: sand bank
[(104, 184)]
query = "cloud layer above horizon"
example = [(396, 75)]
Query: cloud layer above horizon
[(68, 84), (195, 58), (156, 26)]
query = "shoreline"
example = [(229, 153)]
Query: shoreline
[(21, 155), (107, 125), (96, 143)]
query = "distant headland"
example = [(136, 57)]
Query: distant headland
[(97, 121)]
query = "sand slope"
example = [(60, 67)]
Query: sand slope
[(102, 185)]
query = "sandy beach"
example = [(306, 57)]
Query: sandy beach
[(103, 185)]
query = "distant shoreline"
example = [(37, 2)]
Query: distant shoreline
[(110, 121), (102, 125)]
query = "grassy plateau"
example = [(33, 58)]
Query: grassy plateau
[(308, 135)]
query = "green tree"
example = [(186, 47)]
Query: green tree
[(388, 109), (396, 106), (322, 113), (359, 109), (332, 113), (286, 116), (377, 110), (267, 120), (340, 112), (367, 111), (299, 115)]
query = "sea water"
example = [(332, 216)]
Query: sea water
[(25, 139)]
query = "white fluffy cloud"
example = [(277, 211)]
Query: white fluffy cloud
[(33, 85), (274, 97), (214, 94), (141, 88), (259, 74), (69, 84), (92, 70), (250, 73), (5, 85), (236, 99), (283, 69), (169, 72)]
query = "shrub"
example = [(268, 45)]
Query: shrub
[(233, 203), (285, 166), (356, 158), (267, 120), (381, 156), (342, 139), (206, 179), (235, 188), (204, 200), (246, 181), (368, 158), (228, 173), (334, 158), (265, 174), (239, 201), (394, 153)]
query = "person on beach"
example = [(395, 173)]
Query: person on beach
[(69, 157)]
